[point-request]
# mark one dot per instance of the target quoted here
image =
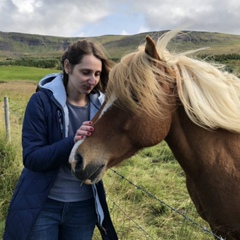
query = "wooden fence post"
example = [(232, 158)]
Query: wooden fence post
[(7, 122)]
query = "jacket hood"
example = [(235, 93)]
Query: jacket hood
[(54, 83)]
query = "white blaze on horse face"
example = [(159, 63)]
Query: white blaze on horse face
[(71, 159), (109, 103)]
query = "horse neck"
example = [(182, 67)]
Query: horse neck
[(188, 143)]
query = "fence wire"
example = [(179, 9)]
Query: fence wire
[(204, 229)]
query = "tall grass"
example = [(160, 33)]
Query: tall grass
[(10, 167), (10, 152), (136, 215)]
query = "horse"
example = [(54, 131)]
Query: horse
[(156, 95)]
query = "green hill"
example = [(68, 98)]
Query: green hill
[(45, 51), (13, 45)]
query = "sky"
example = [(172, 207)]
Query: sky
[(89, 18)]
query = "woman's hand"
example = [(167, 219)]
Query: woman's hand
[(84, 130)]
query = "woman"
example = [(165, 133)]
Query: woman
[(49, 202)]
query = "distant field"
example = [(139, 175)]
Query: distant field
[(13, 73)]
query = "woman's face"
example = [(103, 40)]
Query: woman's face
[(83, 77)]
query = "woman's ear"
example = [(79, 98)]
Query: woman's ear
[(67, 66)]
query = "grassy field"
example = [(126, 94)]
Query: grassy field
[(14, 73), (147, 196)]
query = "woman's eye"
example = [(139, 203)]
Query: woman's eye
[(85, 72), (98, 74)]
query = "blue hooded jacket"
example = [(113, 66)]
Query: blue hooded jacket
[(46, 146)]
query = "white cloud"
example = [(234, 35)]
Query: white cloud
[(26, 6), (50, 17), (100, 17)]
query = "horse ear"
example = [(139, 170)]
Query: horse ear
[(150, 48)]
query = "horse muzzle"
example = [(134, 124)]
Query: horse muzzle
[(88, 174)]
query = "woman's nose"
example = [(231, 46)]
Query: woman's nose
[(92, 79)]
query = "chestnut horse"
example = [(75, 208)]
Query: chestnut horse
[(155, 95)]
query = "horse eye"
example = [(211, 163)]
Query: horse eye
[(134, 96)]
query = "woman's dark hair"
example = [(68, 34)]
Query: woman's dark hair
[(75, 53)]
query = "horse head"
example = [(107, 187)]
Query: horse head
[(135, 115)]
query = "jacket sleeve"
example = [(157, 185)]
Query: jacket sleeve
[(42, 142)]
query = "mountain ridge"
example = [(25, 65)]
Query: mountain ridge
[(13, 44)]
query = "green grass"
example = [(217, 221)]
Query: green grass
[(13, 73), (10, 170)]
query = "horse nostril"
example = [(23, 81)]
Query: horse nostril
[(79, 164)]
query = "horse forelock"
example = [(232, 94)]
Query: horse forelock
[(136, 85)]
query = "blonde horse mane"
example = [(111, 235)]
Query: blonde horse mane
[(210, 96)]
